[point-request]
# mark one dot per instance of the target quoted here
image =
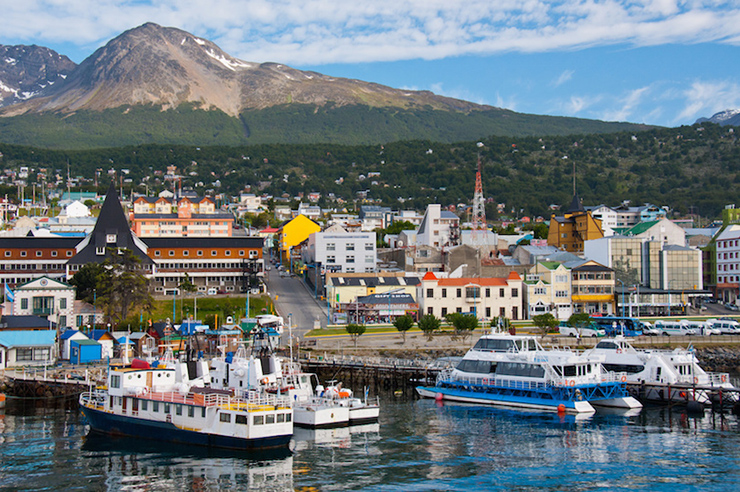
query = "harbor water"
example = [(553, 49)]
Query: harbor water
[(418, 445)]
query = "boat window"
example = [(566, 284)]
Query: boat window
[(270, 419), (280, 418), (203, 412), (225, 417), (520, 369), (259, 420), (629, 369), (494, 345), (569, 371), (155, 406), (558, 370), (166, 408), (477, 366), (115, 381), (178, 409), (606, 345), (241, 419), (288, 417), (191, 411), (143, 404)]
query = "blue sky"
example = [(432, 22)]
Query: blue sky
[(662, 62)]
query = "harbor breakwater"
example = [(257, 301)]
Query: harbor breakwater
[(719, 359)]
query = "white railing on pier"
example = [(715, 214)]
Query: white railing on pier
[(47, 376)]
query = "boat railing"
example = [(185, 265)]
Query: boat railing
[(94, 399), (563, 381)]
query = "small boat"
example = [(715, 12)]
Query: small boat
[(664, 375), (263, 370), (515, 371), (160, 402)]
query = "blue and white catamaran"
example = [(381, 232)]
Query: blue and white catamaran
[(515, 371)]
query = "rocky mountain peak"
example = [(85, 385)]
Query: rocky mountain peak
[(25, 71)]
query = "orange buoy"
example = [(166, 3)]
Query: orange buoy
[(561, 408)]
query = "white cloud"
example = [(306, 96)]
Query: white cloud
[(703, 99), (564, 77), (314, 32), (628, 105)]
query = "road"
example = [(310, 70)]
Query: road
[(291, 296)]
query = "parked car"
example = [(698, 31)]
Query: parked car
[(725, 326), (670, 328), (283, 273), (591, 330), (732, 307), (212, 291), (648, 329)]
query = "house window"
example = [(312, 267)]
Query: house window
[(7, 253), (213, 252), (430, 310), (157, 253), (110, 238), (540, 291), (444, 292), (350, 246), (24, 303), (430, 292), (23, 254), (23, 354), (488, 292), (200, 253), (69, 253), (186, 253), (488, 312), (368, 247), (501, 292), (350, 259), (253, 254), (459, 292), (241, 252), (54, 254), (228, 252), (100, 250), (444, 312), (473, 292), (172, 253), (63, 321), (38, 254), (331, 247), (331, 259), (63, 303)]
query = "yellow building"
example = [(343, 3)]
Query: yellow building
[(293, 233), (569, 231), (593, 288)]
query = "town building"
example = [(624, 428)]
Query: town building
[(292, 233), (593, 289), (343, 289), (487, 298), (547, 289), (337, 250), (439, 228), (46, 298), (570, 230)]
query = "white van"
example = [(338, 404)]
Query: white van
[(699, 327), (669, 328), (725, 326), (588, 331)]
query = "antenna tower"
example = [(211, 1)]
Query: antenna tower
[(479, 205)]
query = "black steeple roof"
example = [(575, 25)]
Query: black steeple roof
[(111, 231), (576, 205)]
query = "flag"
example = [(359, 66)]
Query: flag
[(9, 296)]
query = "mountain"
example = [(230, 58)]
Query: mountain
[(156, 84), (728, 117), (25, 71)]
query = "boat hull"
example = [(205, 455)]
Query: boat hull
[(121, 425), (505, 400), (320, 416), (364, 415)]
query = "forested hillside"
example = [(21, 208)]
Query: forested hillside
[(691, 169)]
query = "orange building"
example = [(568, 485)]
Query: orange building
[(569, 231)]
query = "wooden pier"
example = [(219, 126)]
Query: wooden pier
[(46, 383)]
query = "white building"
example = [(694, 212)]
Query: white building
[(486, 297), (341, 251), (439, 228), (48, 298)]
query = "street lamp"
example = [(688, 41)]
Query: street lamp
[(389, 301)]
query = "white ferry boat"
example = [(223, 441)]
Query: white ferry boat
[(669, 375), (157, 402), (515, 371)]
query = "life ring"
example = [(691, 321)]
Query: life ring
[(572, 382), (264, 380), (619, 350), (696, 380), (624, 379), (723, 378)]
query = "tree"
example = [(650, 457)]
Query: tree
[(545, 322), (403, 324), (579, 319), (355, 331), (187, 285), (86, 280), (122, 285), (464, 324), (428, 324), (502, 323)]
